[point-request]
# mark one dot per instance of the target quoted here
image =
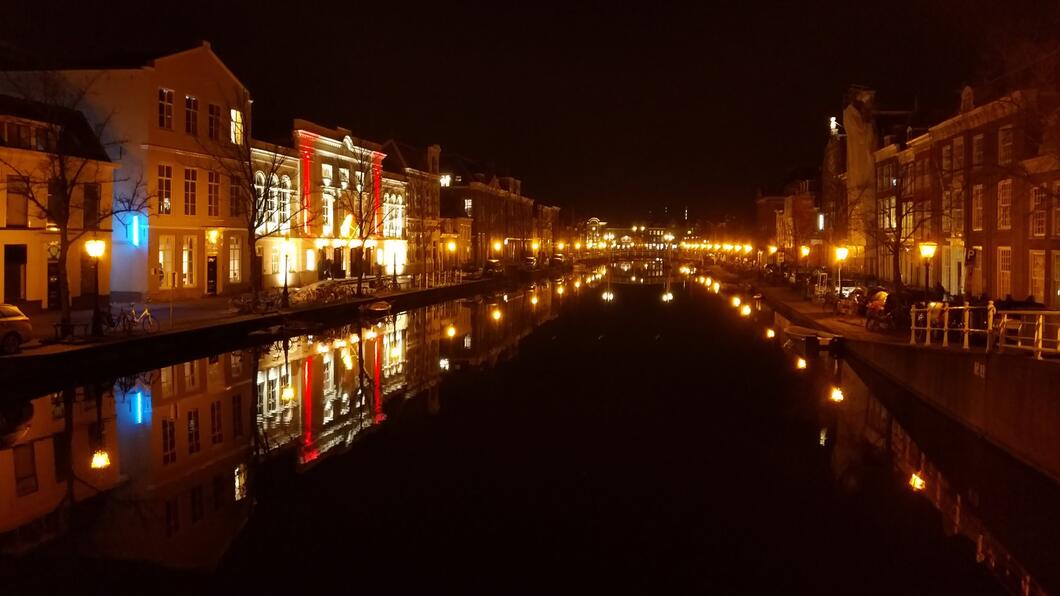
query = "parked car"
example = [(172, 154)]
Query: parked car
[(15, 328), (529, 263), (557, 261)]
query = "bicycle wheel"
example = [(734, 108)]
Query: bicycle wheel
[(149, 324), (124, 323)]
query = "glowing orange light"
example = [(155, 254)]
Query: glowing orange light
[(100, 460), (916, 482), (451, 331), (836, 395), (800, 363)]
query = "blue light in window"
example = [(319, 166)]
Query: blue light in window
[(136, 230)]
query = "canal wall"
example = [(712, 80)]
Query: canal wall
[(31, 374), (1009, 399)]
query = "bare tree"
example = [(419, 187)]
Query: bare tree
[(362, 210), (64, 180), (262, 195)]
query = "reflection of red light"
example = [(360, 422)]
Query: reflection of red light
[(307, 401), (377, 371)]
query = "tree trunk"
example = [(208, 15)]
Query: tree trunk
[(360, 269), (896, 263), (64, 284), (256, 282)]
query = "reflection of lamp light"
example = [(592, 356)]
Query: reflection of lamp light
[(451, 331), (533, 300), (745, 310), (577, 246), (804, 250), (770, 334), (100, 459), (800, 363), (496, 314), (836, 395), (561, 245), (535, 245), (736, 302), (772, 249), (916, 482), (497, 246), (287, 394)]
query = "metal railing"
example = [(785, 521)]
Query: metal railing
[(1033, 331), (942, 313)]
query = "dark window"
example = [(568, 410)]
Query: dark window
[(213, 122), (172, 516), (193, 431), (165, 109), (56, 202), (17, 202), (191, 115), (91, 207), (196, 504), (216, 434), (237, 415), (25, 470), (169, 441)]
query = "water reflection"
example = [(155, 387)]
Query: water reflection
[(185, 441), (859, 431)]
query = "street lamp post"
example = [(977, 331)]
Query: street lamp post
[(927, 251), (95, 249), (451, 247), (841, 253)]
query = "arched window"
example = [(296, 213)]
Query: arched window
[(285, 203)]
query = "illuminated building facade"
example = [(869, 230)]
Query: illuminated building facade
[(420, 168), (28, 241), (171, 113)]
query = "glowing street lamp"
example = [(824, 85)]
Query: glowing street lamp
[(804, 251), (841, 253), (451, 246), (736, 302), (450, 331), (836, 395), (561, 245), (95, 249), (800, 363), (747, 248), (100, 460), (927, 251), (496, 314), (496, 246), (770, 334), (535, 245), (772, 249), (745, 310)]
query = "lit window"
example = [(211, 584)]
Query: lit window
[(187, 260), (820, 221), (344, 177), (977, 207), (977, 150), (166, 273), (1038, 213), (165, 189), (236, 133), (1004, 271), (467, 207), (1004, 205), (235, 259), (327, 173), (240, 481)]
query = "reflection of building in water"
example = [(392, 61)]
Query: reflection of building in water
[(863, 422), (496, 324), (46, 462), (185, 435)]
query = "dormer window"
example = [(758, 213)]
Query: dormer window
[(326, 173), (344, 178)]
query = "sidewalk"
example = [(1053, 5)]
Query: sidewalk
[(172, 316), (851, 326)]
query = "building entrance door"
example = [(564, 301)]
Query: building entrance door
[(211, 275), (14, 273)]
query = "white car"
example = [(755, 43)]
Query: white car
[(15, 329)]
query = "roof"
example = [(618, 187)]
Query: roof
[(402, 155), (77, 138)]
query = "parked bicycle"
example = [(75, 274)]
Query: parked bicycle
[(130, 319)]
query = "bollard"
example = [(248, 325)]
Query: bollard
[(813, 348), (989, 325), (966, 317), (927, 325), (945, 325)]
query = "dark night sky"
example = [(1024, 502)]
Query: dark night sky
[(603, 109)]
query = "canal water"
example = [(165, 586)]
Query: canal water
[(542, 439)]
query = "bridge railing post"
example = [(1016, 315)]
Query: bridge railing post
[(927, 324), (990, 338), (967, 313), (912, 325), (945, 325), (1039, 331)]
